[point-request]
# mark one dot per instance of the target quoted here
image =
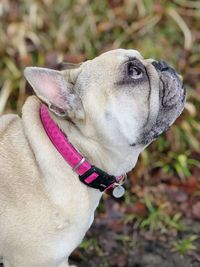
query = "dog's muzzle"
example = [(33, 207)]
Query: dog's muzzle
[(171, 101), (172, 90)]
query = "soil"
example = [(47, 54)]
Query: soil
[(116, 244)]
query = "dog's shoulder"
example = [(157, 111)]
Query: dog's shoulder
[(7, 122)]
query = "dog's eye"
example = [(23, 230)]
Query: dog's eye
[(134, 72)]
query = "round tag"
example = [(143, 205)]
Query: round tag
[(118, 191)]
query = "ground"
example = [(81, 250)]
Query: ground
[(156, 224)]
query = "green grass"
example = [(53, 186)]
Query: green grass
[(159, 220), (185, 245)]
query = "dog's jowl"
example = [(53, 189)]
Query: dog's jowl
[(77, 138)]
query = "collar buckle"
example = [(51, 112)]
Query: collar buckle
[(97, 178)]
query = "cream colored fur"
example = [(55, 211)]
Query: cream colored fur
[(45, 210)]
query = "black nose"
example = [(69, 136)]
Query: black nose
[(160, 65)]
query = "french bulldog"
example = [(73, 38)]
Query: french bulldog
[(109, 109)]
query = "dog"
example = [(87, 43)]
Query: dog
[(105, 111)]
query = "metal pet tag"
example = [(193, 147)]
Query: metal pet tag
[(118, 191)]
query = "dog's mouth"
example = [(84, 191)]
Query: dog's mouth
[(171, 101)]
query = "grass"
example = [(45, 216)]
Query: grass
[(159, 220), (185, 245)]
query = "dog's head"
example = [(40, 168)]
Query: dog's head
[(118, 96)]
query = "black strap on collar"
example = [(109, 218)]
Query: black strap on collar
[(102, 182)]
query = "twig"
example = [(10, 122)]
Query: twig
[(152, 22), (141, 8), (142, 23), (183, 26), (189, 12), (189, 4)]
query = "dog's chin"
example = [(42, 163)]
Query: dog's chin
[(149, 136)]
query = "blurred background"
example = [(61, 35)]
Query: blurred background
[(157, 223)]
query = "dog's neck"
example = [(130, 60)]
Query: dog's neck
[(57, 174), (115, 160), (88, 174)]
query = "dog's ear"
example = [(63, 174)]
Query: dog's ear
[(56, 88)]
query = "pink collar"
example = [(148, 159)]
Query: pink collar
[(88, 174)]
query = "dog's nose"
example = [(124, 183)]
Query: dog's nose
[(160, 65)]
